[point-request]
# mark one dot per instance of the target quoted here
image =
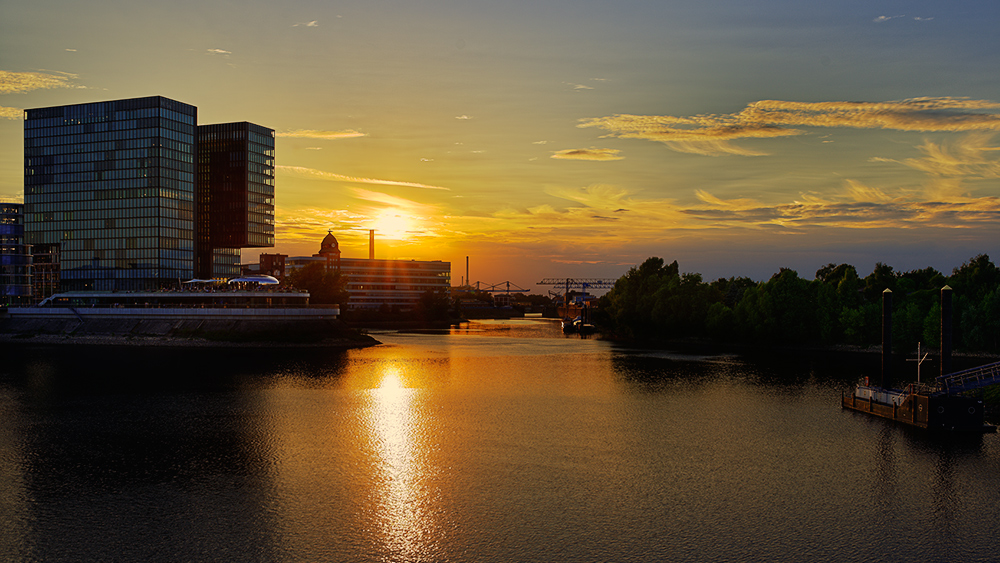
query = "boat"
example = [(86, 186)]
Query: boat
[(942, 406), (945, 404)]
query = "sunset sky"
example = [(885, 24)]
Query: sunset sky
[(557, 138)]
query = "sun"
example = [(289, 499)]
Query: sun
[(393, 224)]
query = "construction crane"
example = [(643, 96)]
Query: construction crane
[(579, 283)]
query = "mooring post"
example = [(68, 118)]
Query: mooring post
[(945, 330), (887, 339)]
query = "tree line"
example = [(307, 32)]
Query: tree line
[(655, 301)]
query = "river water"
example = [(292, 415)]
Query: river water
[(502, 441)]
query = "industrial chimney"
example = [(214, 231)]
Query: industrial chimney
[(371, 244)]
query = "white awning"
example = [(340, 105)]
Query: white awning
[(256, 278)]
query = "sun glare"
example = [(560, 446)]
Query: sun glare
[(393, 224)]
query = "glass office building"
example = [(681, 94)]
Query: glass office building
[(236, 164), (109, 188), (115, 198), (15, 258)]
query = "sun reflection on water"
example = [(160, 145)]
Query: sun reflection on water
[(405, 522)]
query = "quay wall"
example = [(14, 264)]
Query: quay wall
[(171, 313), (296, 325)]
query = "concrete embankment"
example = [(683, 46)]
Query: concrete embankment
[(186, 327)]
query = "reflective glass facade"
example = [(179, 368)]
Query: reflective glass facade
[(118, 195), (109, 188), (15, 258), (236, 196)]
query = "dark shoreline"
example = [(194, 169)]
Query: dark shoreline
[(182, 331), (705, 347), (362, 341)]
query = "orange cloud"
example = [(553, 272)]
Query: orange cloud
[(601, 215), (11, 113), (325, 135), (860, 193), (967, 157), (710, 199), (20, 82), (588, 154), (713, 134), (859, 207)]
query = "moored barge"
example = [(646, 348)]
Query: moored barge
[(944, 405), (921, 406)]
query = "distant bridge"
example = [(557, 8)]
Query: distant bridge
[(505, 287), (583, 283)]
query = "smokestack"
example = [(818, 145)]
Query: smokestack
[(887, 339), (371, 244), (467, 280), (945, 330)]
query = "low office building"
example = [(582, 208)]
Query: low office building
[(15, 257), (371, 283)]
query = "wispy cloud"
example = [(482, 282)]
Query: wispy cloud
[(314, 23), (597, 215), (393, 201), (327, 135), (588, 154), (20, 82), (219, 52), (742, 203), (309, 223), (463, 116), (861, 193), (312, 173), (858, 207), (949, 166), (11, 113), (713, 134), (603, 197), (944, 203), (969, 157), (883, 19)]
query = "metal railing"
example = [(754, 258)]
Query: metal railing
[(970, 379)]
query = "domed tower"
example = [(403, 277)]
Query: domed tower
[(330, 249)]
